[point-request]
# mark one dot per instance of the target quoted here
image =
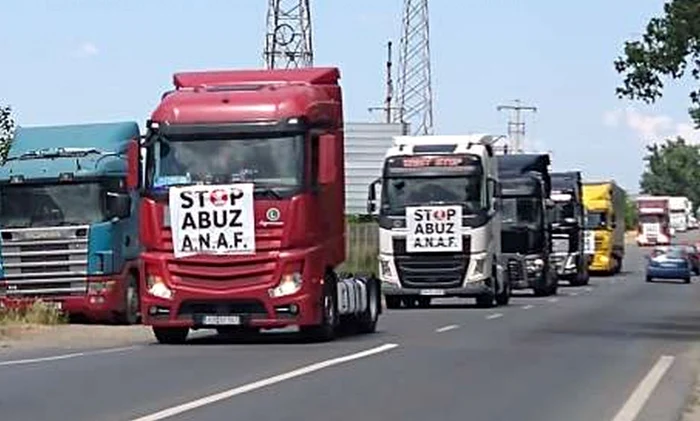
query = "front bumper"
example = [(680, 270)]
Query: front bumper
[(472, 289), (566, 264), (250, 305), (98, 304)]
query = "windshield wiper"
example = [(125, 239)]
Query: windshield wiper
[(269, 191)]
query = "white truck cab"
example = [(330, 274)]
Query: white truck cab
[(439, 223)]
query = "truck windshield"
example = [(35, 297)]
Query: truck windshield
[(520, 210), (596, 220), (23, 206), (275, 162), (650, 219), (399, 192), (563, 210)]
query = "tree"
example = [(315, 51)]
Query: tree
[(672, 169), (670, 45), (7, 130)]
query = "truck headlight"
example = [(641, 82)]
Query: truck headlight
[(289, 284), (158, 288), (534, 265)]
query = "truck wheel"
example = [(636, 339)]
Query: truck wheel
[(503, 297), (131, 314), (367, 322), (486, 300), (171, 335), (326, 330), (580, 279), (392, 302)]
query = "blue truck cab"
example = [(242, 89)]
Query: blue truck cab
[(69, 208)]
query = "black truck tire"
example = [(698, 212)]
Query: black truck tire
[(131, 314), (503, 297), (367, 321), (330, 320)]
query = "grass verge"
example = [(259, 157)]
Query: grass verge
[(38, 313)]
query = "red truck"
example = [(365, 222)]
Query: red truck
[(654, 227), (243, 212)]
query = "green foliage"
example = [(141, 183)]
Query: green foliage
[(7, 131), (630, 215), (672, 169), (669, 46)]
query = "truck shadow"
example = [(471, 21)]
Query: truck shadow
[(344, 334)]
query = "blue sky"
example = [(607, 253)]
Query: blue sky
[(67, 61)]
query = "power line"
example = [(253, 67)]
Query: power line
[(516, 128)]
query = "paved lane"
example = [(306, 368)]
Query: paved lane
[(577, 356)]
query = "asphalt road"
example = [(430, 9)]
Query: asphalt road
[(617, 350)]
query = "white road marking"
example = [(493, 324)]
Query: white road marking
[(573, 294), (66, 356), (227, 394), (494, 316), (588, 289), (641, 394), (553, 300), (527, 307), (446, 328)]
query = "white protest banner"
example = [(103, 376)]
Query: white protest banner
[(434, 228), (216, 219)]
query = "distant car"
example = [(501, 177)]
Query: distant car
[(671, 262), (694, 255)]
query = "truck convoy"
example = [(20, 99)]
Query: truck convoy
[(654, 226), (439, 226), (526, 231), (69, 218), (605, 203), (568, 224), (242, 218)]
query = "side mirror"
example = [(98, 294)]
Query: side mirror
[(328, 151), (372, 197), (118, 205), (133, 158)]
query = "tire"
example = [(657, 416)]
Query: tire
[(686, 280), (392, 302), (503, 297), (367, 322), (327, 329), (580, 279), (171, 335), (649, 279), (488, 299), (131, 314)]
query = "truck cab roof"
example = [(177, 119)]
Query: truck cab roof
[(255, 96), (477, 144), (84, 150), (524, 165)]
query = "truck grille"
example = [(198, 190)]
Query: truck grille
[(220, 271), (446, 270), (41, 262)]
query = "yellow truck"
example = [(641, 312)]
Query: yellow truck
[(604, 202)]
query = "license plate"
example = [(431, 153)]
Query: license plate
[(221, 320), (56, 305), (432, 292)]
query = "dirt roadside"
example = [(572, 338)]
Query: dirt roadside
[(26, 337)]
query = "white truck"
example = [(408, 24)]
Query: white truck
[(439, 223), (678, 211)]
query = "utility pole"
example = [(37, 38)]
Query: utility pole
[(389, 96), (516, 129)]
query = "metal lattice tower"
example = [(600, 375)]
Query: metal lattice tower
[(288, 39), (414, 101)]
